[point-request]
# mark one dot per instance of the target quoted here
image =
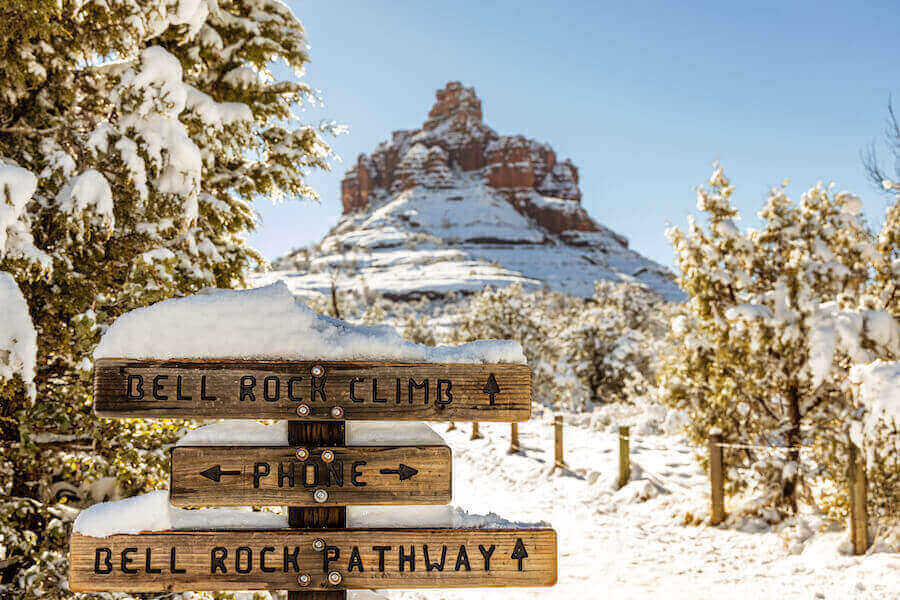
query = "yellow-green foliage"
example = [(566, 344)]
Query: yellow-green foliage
[(80, 95)]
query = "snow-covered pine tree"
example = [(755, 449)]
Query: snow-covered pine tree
[(775, 319), (134, 137)]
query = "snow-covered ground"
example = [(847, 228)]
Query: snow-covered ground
[(613, 545)]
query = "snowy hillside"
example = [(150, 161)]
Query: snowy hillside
[(453, 207)]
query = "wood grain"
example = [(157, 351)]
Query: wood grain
[(275, 476), (274, 390), (256, 559)]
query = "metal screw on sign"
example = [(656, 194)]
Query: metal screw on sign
[(335, 578), (303, 579), (327, 456), (318, 371), (337, 412), (302, 453), (303, 410), (318, 544), (320, 496)]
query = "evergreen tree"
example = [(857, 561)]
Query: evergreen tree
[(775, 319), (134, 138)]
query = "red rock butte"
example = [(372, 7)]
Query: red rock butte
[(455, 139)]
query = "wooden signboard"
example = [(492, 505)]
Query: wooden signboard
[(315, 476), (294, 560), (320, 390)]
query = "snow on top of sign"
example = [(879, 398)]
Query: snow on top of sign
[(251, 433), (152, 512), (269, 323)]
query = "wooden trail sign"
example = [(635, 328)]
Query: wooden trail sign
[(309, 476), (312, 390), (341, 559)]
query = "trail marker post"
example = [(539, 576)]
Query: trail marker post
[(558, 461), (316, 476), (624, 455), (513, 438), (716, 479)]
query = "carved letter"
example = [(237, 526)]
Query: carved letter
[(126, 560), (106, 566), (290, 387), (262, 559), (440, 389), (355, 474), (355, 560), (318, 387), (203, 395), (172, 567), (282, 474), (381, 550), (157, 387), (331, 554), (217, 559), (260, 470), (430, 566), (292, 559), (412, 384), (353, 383), (486, 554), (135, 392), (462, 558), (274, 397), (375, 397), (311, 474), (247, 384), (178, 390), (237, 559), (147, 562), (335, 473), (411, 559)]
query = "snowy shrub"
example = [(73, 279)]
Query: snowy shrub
[(582, 351), (134, 138), (775, 319)]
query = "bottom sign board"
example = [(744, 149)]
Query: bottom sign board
[(282, 559)]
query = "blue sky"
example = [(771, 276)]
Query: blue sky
[(642, 96)]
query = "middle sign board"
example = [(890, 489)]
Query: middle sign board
[(286, 476)]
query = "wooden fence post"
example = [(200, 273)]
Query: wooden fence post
[(624, 456), (716, 479), (513, 438), (859, 518), (476, 435), (558, 431)]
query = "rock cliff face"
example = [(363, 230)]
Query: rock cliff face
[(454, 138), (453, 206)]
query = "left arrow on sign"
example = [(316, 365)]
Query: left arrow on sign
[(215, 473)]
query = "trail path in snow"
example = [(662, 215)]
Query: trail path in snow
[(612, 545)]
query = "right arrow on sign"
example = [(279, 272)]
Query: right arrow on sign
[(491, 388), (403, 471)]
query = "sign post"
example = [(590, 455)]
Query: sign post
[(316, 477)]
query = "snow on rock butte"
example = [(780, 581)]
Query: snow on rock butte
[(270, 323), (453, 207)]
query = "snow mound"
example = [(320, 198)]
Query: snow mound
[(252, 433), (152, 512), (269, 323)]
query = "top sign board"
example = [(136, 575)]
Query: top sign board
[(312, 390)]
